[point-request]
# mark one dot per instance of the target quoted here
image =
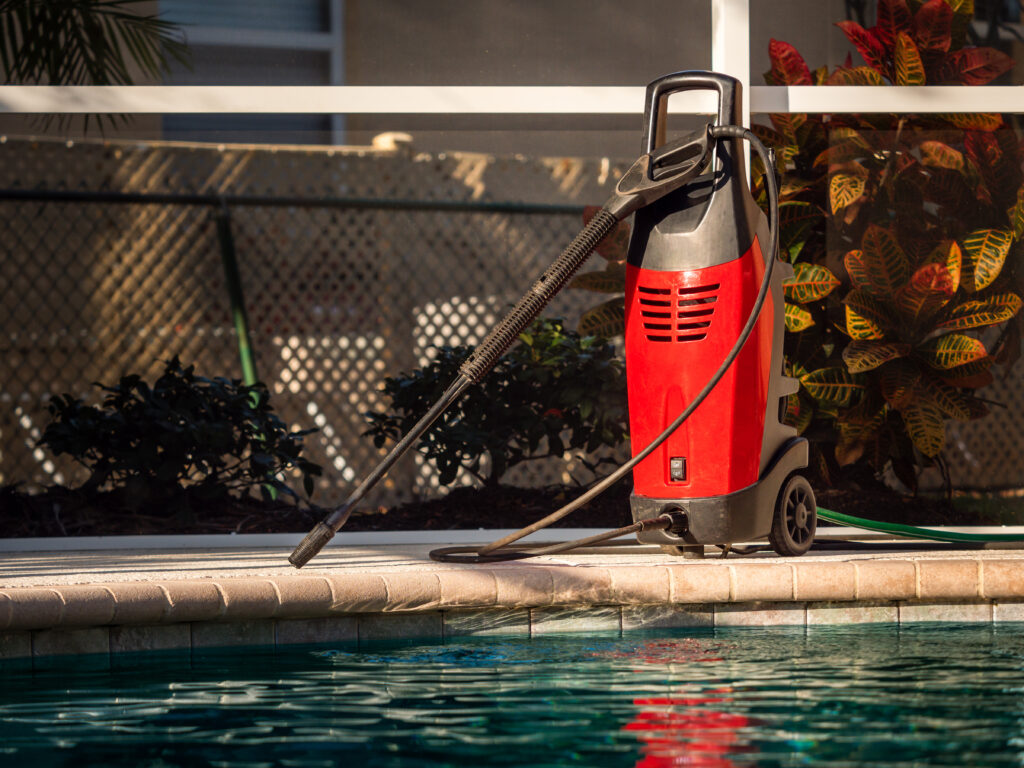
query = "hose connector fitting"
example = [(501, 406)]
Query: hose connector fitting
[(675, 522)]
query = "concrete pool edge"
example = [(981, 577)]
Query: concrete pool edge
[(50, 647), (399, 598)]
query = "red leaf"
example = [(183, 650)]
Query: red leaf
[(973, 66), (893, 18), (934, 278), (982, 148), (867, 44), (971, 381), (933, 26), (788, 66), (994, 155)]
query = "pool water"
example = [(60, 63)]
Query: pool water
[(877, 695)]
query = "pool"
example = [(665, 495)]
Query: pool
[(868, 695)]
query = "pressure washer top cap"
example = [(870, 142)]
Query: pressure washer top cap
[(729, 101)]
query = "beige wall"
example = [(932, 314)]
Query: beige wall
[(526, 42)]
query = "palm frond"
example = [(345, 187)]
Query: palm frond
[(86, 42)]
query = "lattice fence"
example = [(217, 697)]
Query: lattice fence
[(337, 296)]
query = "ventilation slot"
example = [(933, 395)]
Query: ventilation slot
[(693, 310), (697, 302), (698, 289), (688, 314)]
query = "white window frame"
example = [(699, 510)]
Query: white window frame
[(330, 42), (730, 54)]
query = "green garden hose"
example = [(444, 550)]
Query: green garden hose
[(914, 532)]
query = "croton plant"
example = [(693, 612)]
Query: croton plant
[(905, 235)]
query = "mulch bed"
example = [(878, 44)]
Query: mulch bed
[(58, 512)]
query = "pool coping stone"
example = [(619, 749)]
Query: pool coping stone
[(67, 603)]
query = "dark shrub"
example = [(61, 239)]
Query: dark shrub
[(554, 391), (186, 438)]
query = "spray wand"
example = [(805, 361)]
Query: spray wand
[(650, 178)]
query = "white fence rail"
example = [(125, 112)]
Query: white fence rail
[(476, 100)]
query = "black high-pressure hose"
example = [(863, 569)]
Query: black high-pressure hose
[(652, 176), (493, 551), (472, 370)]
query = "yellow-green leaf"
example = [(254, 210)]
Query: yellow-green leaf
[(783, 157), (795, 220), (986, 251), (948, 254), (799, 412), (793, 187), (1016, 215), (865, 318), (606, 320), (909, 68), (797, 318), (845, 144), (844, 189), (935, 154), (973, 121), (860, 355), (855, 76), (787, 123), (810, 282), (979, 314), (768, 136), (951, 351), (886, 265), (612, 279), (848, 451), (857, 270), (949, 399), (860, 327), (898, 382), (858, 426), (925, 425), (833, 386)]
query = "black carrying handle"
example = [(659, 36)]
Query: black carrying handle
[(659, 90)]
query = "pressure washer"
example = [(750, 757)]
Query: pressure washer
[(702, 281), (713, 463)]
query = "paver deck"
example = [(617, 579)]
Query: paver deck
[(111, 601)]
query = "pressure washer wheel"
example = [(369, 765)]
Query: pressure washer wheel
[(796, 518)]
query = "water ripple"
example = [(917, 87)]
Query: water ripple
[(840, 697)]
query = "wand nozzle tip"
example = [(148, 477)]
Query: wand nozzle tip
[(315, 540)]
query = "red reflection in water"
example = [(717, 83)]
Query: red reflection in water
[(686, 730)]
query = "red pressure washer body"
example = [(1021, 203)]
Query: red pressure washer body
[(695, 264)]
